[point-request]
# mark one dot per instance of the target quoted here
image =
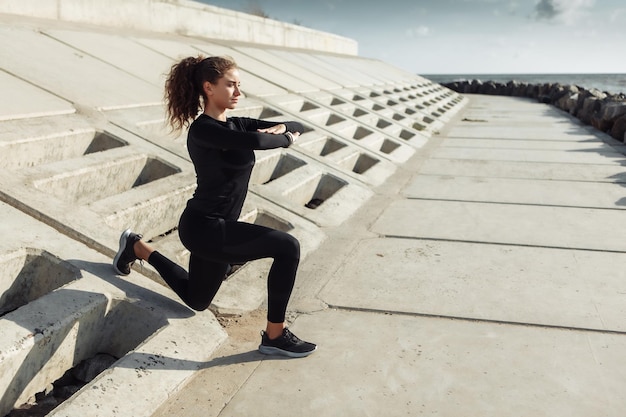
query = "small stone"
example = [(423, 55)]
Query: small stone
[(88, 369)]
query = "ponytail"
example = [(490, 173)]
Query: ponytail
[(184, 87)]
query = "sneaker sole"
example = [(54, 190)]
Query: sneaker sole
[(123, 240), (270, 350)]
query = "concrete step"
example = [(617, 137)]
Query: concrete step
[(62, 302), (345, 157), (50, 139), (322, 196), (328, 122), (86, 180)]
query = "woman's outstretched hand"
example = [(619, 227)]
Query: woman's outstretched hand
[(278, 129)]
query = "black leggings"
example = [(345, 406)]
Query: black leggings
[(215, 243)]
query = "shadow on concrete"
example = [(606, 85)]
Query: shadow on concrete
[(175, 309), (160, 362), (79, 324)]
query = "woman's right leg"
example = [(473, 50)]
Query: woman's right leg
[(207, 275), (198, 292), (222, 241)]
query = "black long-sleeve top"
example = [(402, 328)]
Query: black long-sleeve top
[(223, 157)]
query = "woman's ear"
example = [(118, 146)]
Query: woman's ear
[(208, 88)]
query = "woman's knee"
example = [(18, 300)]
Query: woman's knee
[(290, 246), (198, 305)]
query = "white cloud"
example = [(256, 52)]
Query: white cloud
[(563, 11), (418, 32), (618, 15)]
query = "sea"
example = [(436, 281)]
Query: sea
[(610, 83)]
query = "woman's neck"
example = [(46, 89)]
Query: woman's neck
[(216, 114)]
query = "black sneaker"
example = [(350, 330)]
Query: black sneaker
[(287, 345), (125, 256)]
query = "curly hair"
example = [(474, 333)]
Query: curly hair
[(183, 86)]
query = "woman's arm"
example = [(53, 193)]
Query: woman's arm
[(272, 127), (212, 134)]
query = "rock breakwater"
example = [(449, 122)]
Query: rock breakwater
[(604, 111)]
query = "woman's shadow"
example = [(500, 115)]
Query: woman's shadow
[(175, 309)]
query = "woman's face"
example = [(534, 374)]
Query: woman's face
[(225, 93)]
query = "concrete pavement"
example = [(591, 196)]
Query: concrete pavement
[(484, 278)]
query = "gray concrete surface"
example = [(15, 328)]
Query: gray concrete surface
[(467, 286), (183, 17), (66, 304)]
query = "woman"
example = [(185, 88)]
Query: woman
[(222, 151)]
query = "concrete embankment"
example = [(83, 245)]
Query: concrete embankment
[(85, 154), (606, 112)]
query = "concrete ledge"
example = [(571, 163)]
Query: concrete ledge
[(320, 195), (483, 282), (562, 227), (346, 127), (63, 191), (75, 307), (185, 18), (435, 366), (605, 112)]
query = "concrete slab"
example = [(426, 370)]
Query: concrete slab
[(520, 107), (184, 17), (291, 81), (493, 104), (519, 118), (382, 73), (603, 156), (119, 51), (333, 124), (520, 129), (416, 115), (320, 67), (336, 195), (175, 47), (520, 169), (561, 227), (485, 282), (282, 64), (518, 191), (26, 100), (396, 365), (64, 321), (540, 125), (355, 68), (253, 84), (547, 116), (434, 103), (589, 144), (73, 73)]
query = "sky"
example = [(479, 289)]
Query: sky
[(467, 36)]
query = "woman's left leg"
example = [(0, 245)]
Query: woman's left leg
[(245, 242)]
